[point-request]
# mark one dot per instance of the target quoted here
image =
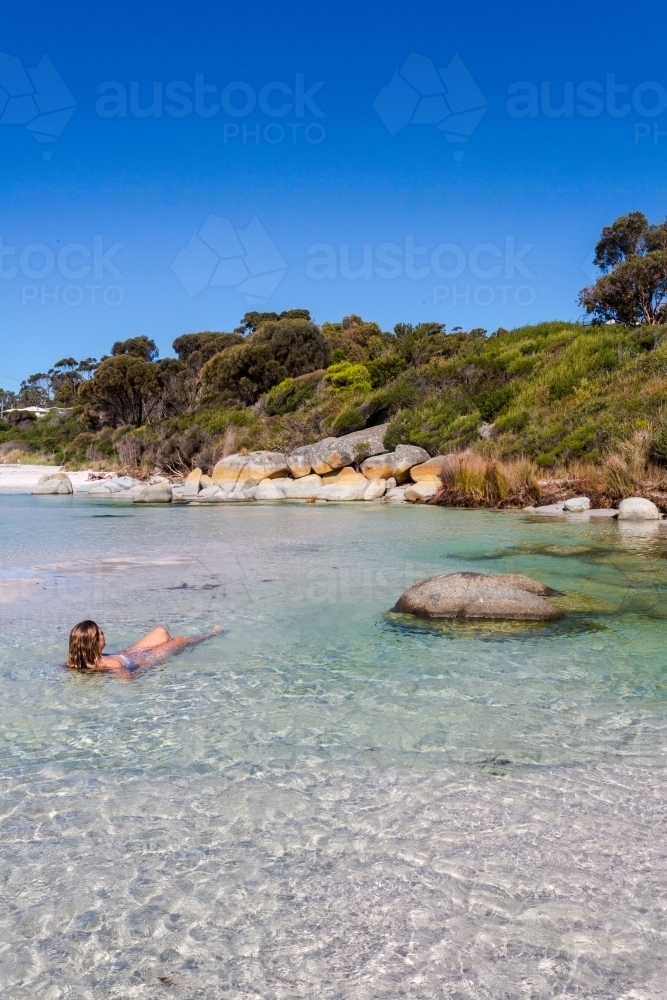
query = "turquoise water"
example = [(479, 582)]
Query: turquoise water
[(329, 800)]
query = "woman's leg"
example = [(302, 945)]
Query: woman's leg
[(153, 638)]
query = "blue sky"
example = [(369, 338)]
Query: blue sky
[(170, 166)]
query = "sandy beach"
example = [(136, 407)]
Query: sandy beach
[(22, 478)]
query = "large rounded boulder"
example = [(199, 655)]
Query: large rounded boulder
[(491, 596), (55, 484)]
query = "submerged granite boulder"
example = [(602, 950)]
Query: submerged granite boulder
[(638, 509), (55, 484), (499, 596)]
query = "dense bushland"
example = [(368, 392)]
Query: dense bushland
[(555, 393)]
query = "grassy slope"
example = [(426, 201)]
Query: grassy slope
[(555, 392)]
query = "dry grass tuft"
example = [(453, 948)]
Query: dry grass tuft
[(471, 480)]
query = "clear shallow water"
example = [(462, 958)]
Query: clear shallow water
[(330, 800)]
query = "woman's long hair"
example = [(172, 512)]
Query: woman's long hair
[(84, 646)]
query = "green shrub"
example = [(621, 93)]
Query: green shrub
[(292, 393), (348, 375), (515, 421), (658, 449), (348, 420), (384, 369)]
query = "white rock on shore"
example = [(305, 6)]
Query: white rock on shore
[(155, 493), (638, 509), (58, 483), (395, 464), (423, 489), (577, 505)]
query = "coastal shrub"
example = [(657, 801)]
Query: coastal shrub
[(292, 393), (348, 375), (348, 420), (658, 449), (382, 370), (275, 351), (513, 421), (470, 478), (619, 481)]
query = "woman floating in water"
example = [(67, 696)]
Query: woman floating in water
[(86, 643)]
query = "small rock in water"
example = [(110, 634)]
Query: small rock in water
[(638, 509), (502, 596)]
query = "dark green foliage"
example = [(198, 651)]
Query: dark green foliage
[(512, 421), (658, 452), (198, 348), (253, 320), (632, 254), (124, 390), (138, 347), (276, 351), (289, 395), (348, 420), (384, 369)]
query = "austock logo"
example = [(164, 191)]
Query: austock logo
[(420, 94), (218, 256), (36, 98)]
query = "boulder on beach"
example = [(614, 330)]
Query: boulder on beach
[(298, 461), (271, 489), (426, 470), (547, 509), (394, 494), (499, 596), (100, 490), (638, 509), (208, 492), (375, 489), (56, 484), (305, 488), (346, 485), (577, 505), (156, 493), (205, 481), (334, 453), (192, 483), (394, 464), (423, 489), (251, 469)]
